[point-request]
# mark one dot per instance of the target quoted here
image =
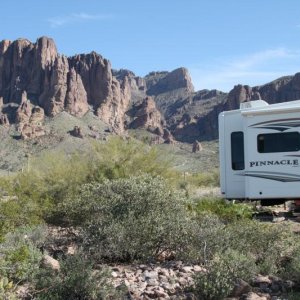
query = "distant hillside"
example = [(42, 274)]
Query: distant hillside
[(36, 82)]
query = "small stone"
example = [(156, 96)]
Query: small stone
[(168, 287), (149, 294), (278, 219), (262, 279), (164, 272), (198, 268), (182, 281), (163, 278), (150, 274), (240, 288), (186, 269), (50, 262), (161, 294), (152, 282), (114, 274), (254, 296)]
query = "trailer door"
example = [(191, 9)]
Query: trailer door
[(234, 156)]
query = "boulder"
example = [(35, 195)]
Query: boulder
[(76, 132), (4, 120), (50, 262), (169, 139), (197, 147)]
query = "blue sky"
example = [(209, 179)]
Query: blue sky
[(221, 42)]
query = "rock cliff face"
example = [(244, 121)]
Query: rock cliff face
[(146, 115), (162, 82), (36, 81), (56, 83)]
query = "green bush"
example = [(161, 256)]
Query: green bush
[(222, 273), (7, 290), (33, 195), (120, 158), (76, 280), (204, 179), (131, 219), (20, 255), (225, 210), (291, 268), (269, 244)]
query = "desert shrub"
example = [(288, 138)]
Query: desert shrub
[(75, 280), (52, 176), (222, 273), (7, 289), (35, 193), (134, 218), (268, 244), (32, 195), (293, 296), (16, 212), (20, 255), (291, 268), (204, 179), (225, 210), (120, 158)]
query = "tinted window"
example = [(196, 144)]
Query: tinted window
[(237, 151), (278, 142)]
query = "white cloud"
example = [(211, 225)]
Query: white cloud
[(253, 69), (59, 21)]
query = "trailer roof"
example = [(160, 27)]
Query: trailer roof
[(284, 107)]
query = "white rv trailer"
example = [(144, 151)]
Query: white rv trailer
[(260, 151)]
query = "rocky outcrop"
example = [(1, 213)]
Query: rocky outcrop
[(168, 137), (109, 97), (76, 98), (197, 147), (76, 132), (4, 121), (56, 83), (36, 80), (136, 83), (283, 89), (241, 93), (24, 111), (29, 119), (146, 115), (30, 131), (112, 109), (161, 82), (37, 116), (52, 99)]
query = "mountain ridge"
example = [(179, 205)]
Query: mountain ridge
[(36, 81)]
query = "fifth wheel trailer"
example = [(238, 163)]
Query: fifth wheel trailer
[(260, 151)]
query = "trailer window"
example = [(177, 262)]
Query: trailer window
[(237, 151), (278, 142)]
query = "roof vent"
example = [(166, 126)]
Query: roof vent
[(253, 104)]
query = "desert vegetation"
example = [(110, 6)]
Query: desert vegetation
[(125, 205)]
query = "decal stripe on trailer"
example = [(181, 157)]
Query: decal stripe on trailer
[(279, 125), (282, 177)]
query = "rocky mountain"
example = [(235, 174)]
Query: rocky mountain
[(37, 82)]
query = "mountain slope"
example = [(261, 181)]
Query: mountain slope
[(37, 82)]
